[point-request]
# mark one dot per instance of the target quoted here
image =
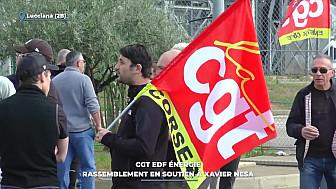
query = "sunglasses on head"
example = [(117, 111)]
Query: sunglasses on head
[(23, 54), (322, 70)]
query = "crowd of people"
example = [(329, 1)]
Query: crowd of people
[(50, 117)]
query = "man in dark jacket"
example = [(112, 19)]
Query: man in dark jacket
[(30, 129), (42, 47), (143, 132), (311, 122), (61, 62)]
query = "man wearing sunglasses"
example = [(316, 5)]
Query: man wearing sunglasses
[(311, 122), (80, 104)]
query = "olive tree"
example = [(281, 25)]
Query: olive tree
[(97, 28)]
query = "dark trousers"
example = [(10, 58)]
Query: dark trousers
[(73, 172), (228, 182)]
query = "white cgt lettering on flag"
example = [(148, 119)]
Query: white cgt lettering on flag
[(307, 12), (237, 105)]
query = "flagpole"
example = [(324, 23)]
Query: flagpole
[(329, 31), (329, 45), (120, 115)]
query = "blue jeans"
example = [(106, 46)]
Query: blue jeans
[(83, 145), (314, 169)]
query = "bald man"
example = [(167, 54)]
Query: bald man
[(209, 183), (61, 63), (62, 56), (164, 60)]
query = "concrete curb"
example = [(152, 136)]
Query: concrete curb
[(246, 164), (286, 161), (271, 172), (290, 181)]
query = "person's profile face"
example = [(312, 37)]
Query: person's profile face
[(46, 81), (158, 69), (81, 64), (124, 70), (19, 58)]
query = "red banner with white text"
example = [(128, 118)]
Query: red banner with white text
[(305, 19), (218, 106)]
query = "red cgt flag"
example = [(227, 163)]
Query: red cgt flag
[(305, 19), (215, 96)]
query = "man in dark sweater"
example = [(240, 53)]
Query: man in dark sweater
[(61, 62), (143, 131), (32, 135), (311, 122)]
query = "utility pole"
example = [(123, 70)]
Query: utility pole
[(218, 8)]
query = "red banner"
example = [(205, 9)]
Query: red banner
[(217, 87), (305, 19)]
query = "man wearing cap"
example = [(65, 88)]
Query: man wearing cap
[(32, 45), (42, 47), (32, 134), (80, 101)]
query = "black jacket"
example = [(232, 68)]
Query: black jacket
[(53, 94), (142, 137), (296, 120), (61, 69), (29, 131)]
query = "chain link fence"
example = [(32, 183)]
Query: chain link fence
[(193, 16), (282, 141), (291, 59)]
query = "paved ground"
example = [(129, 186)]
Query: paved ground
[(269, 172)]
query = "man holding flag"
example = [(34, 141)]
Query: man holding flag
[(208, 93), (143, 132), (211, 87)]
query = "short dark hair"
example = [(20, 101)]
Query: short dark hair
[(24, 81), (72, 58), (29, 81), (138, 54), (324, 56)]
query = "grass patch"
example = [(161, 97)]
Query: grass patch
[(281, 93), (258, 151), (102, 157), (284, 92)]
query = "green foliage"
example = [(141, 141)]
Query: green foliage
[(98, 29), (258, 151)]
